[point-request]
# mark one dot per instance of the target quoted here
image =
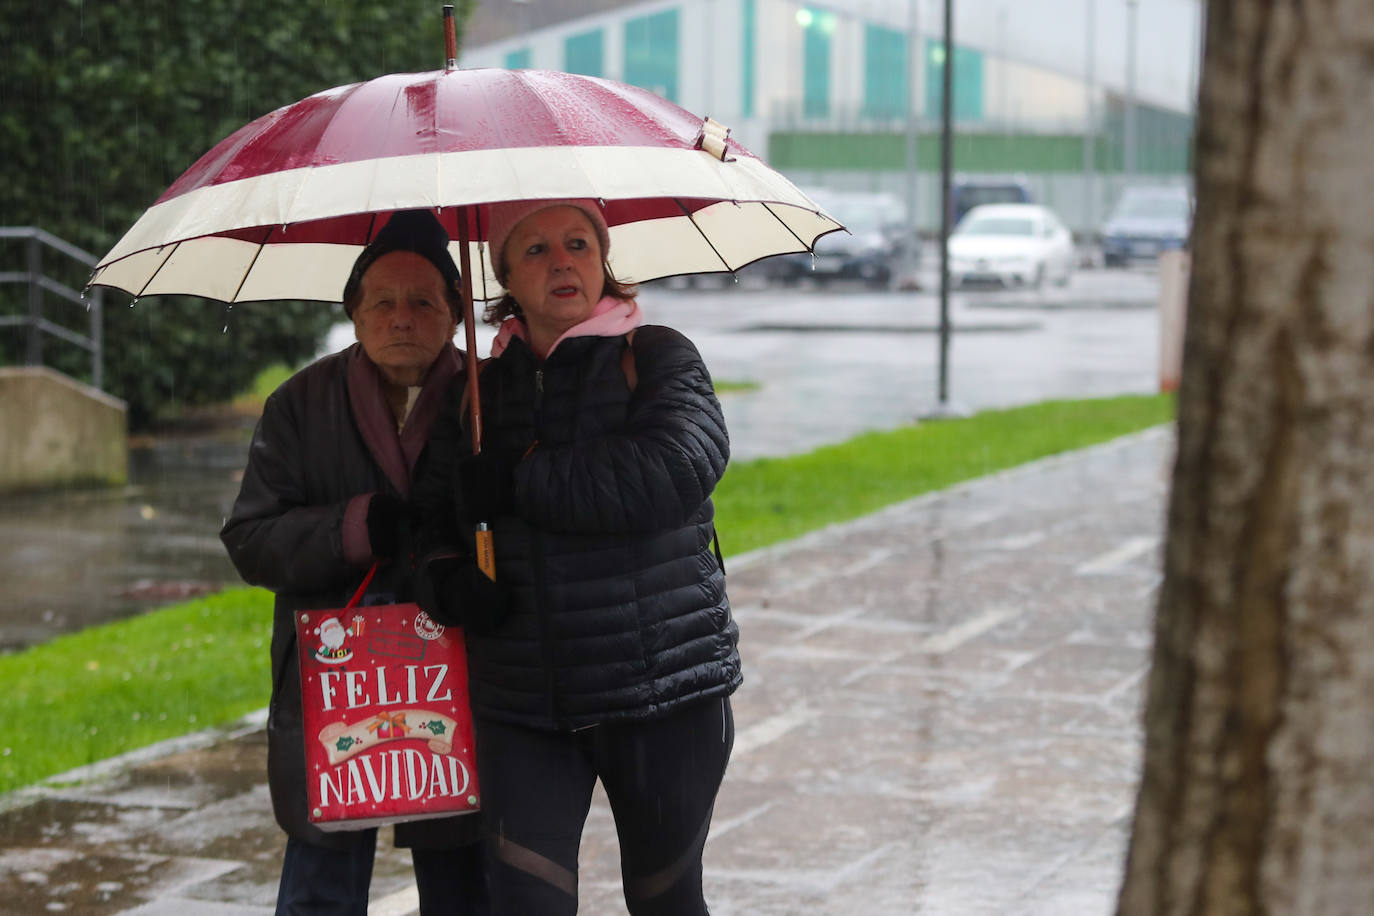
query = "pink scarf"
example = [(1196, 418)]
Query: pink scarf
[(610, 318)]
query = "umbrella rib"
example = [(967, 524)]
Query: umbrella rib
[(153, 276), (704, 237), (251, 264), (789, 229)]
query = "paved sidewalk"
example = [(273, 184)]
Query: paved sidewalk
[(940, 716)]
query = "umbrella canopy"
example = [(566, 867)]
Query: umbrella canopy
[(281, 208)]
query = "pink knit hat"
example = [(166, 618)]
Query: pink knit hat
[(505, 216)]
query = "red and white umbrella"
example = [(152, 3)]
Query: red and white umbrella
[(281, 208)]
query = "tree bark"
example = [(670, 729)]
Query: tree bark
[(1258, 788)]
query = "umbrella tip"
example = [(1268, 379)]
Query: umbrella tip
[(450, 38)]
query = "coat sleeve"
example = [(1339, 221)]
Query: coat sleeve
[(653, 475), (275, 537)]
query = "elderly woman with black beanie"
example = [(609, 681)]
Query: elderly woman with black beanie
[(322, 500), (605, 648)]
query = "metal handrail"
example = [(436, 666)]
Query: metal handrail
[(38, 284)]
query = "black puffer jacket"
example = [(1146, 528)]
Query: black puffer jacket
[(285, 533), (620, 605)]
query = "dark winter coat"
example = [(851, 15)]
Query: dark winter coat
[(620, 609), (309, 459)]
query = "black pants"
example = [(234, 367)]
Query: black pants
[(316, 881), (661, 777)]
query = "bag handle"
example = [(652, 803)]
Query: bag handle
[(362, 589)]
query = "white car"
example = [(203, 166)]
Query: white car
[(1011, 245)]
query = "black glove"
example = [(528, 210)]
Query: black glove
[(385, 515), (485, 485), (456, 593)]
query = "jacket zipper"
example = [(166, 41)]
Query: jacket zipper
[(537, 557)]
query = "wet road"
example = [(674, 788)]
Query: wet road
[(829, 363)]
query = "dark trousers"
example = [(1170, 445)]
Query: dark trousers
[(316, 881), (661, 777)]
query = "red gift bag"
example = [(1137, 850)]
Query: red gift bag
[(388, 729)]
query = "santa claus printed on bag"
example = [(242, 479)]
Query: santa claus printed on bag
[(332, 634)]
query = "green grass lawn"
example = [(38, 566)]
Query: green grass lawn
[(113, 688)]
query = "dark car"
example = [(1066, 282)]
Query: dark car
[(965, 194), (1145, 222), (871, 251)]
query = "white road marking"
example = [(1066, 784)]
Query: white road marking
[(972, 628), (771, 729), (1113, 560)]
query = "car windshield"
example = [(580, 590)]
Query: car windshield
[(997, 225), (1154, 208), (976, 196)]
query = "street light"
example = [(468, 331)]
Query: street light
[(943, 409)]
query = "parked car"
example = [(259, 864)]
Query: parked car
[(871, 251), (1010, 245), (1145, 222), (965, 194)]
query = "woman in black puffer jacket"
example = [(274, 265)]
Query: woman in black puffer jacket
[(605, 648)]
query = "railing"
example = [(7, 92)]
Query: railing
[(38, 284)]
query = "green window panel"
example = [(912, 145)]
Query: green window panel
[(585, 53), (885, 73), (967, 100), (1013, 152), (651, 53), (518, 59), (749, 13), (817, 27), (1164, 140)]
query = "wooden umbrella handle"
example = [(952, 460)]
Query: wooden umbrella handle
[(486, 555)]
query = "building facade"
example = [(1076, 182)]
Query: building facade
[(1078, 97)]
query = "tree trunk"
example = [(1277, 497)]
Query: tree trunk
[(1258, 786)]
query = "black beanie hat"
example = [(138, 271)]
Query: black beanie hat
[(407, 230)]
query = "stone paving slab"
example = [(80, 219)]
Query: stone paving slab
[(940, 716)]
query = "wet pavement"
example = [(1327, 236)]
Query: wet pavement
[(940, 715), (827, 363)]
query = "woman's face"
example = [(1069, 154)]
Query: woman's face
[(554, 270)]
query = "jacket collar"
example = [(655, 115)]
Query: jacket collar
[(610, 318)]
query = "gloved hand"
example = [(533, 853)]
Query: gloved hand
[(485, 485), (456, 593), (385, 516)]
